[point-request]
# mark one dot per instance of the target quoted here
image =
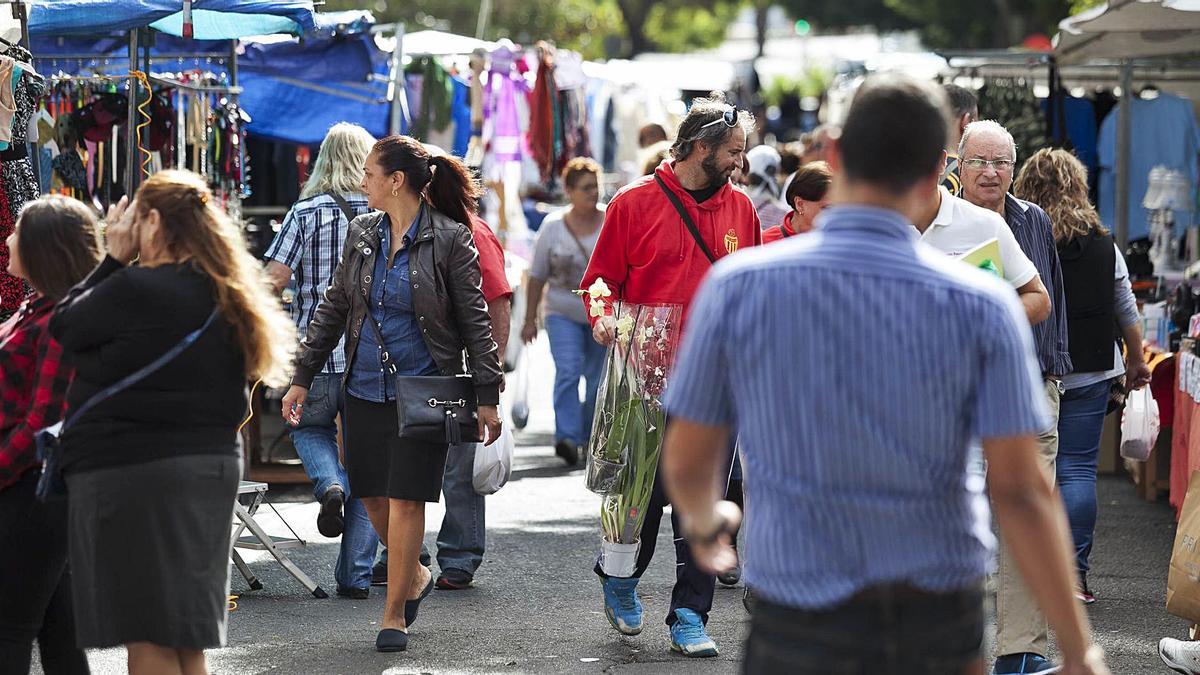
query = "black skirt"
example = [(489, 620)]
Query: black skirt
[(381, 464), (149, 550)]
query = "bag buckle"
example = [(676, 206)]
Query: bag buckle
[(433, 403)]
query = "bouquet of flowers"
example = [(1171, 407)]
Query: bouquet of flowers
[(627, 431)]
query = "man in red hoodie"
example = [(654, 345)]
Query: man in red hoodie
[(648, 252)]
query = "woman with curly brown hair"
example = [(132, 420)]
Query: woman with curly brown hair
[(1100, 309), (152, 471)]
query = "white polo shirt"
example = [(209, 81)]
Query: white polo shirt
[(961, 226)]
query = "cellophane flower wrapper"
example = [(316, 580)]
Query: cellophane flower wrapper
[(630, 422)]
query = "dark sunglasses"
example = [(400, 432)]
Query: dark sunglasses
[(729, 117)]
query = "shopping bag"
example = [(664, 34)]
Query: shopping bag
[(493, 463), (1139, 425), (1183, 575), (520, 402)]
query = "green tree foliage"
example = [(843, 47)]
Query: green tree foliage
[(595, 28)]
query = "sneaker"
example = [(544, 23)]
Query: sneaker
[(454, 580), (1180, 656), (353, 593), (329, 521), (621, 605), (688, 636), (1082, 593), (379, 574), (568, 451), (1023, 664)]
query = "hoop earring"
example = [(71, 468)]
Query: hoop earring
[(395, 192)]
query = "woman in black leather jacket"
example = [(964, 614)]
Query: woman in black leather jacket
[(410, 267)]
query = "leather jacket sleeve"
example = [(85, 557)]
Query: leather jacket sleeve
[(463, 279), (329, 320)]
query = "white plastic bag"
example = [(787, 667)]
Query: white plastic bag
[(1139, 425), (493, 463)]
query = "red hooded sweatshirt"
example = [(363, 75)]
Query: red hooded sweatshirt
[(645, 253)]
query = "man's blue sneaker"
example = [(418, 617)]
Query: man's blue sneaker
[(1023, 664), (621, 604), (688, 636)]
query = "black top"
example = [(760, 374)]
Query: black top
[(122, 318), (1088, 267), (705, 194)]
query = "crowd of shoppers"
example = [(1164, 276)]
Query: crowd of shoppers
[(146, 352)]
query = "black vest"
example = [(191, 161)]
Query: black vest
[(1088, 267)]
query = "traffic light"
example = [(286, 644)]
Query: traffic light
[(802, 27)]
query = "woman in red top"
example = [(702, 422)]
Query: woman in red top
[(53, 247), (808, 194)]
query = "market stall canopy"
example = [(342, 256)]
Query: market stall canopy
[(212, 19), (1128, 29), (435, 43)]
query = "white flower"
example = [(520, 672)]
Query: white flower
[(625, 329), (597, 307), (598, 290)]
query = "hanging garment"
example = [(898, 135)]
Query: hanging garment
[(12, 289), (460, 108), (16, 167), (8, 103), (1164, 133), (434, 113), (574, 124), (542, 113)]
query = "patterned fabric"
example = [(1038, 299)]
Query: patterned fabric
[(870, 485), (34, 386), (12, 289), (310, 243), (1031, 227), (20, 184)]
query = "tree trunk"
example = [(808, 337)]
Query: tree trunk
[(1002, 37), (760, 25), (635, 12)]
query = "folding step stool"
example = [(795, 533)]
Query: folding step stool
[(259, 540)]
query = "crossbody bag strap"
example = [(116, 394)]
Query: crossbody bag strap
[(343, 205), (687, 220), (384, 357), (143, 372)]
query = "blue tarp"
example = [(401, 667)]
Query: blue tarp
[(212, 19)]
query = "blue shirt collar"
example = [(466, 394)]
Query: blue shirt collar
[(385, 229), (862, 218), (1014, 210)]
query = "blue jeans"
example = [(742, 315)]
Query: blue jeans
[(462, 537), (1080, 424), (316, 443), (576, 355)]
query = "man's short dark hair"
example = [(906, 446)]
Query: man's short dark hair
[(702, 112), (962, 100), (895, 132)]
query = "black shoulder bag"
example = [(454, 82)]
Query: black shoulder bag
[(432, 408), (51, 484), (687, 220)]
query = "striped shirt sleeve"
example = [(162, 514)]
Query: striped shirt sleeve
[(288, 246), (1011, 400), (699, 387)]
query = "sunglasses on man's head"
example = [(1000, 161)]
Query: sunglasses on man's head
[(729, 117)]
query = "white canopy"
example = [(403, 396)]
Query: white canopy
[(1127, 29)]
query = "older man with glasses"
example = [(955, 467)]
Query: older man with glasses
[(987, 161)]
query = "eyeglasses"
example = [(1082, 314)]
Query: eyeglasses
[(729, 117), (979, 163)]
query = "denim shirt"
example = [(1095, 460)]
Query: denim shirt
[(391, 306)]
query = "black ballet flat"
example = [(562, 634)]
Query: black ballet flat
[(411, 606), (391, 640)]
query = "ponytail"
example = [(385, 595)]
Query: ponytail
[(442, 180), (452, 190)]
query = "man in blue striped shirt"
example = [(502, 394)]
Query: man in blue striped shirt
[(868, 538), (987, 163)]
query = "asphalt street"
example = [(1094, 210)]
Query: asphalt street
[(536, 606)]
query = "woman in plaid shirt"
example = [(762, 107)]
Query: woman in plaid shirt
[(53, 247)]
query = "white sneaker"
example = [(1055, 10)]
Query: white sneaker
[(1180, 656)]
